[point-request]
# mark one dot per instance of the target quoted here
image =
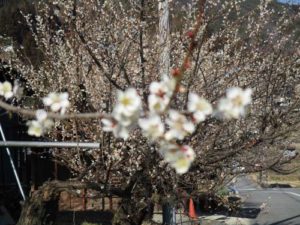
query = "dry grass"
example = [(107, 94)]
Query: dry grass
[(292, 179), (273, 177)]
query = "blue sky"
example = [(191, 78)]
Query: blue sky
[(290, 1)]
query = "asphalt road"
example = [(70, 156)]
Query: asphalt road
[(270, 206)]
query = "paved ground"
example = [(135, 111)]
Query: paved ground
[(270, 206), (185, 220)]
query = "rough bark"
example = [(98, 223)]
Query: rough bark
[(41, 208), (131, 212), (137, 205)]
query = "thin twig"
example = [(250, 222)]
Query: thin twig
[(97, 62), (32, 113)]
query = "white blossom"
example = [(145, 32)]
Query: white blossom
[(35, 128), (39, 126), (188, 152), (159, 97), (170, 83), (157, 104), (160, 94), (152, 127), (179, 126), (41, 115), (125, 119), (238, 96), (47, 124), (129, 102), (159, 89), (200, 107), (113, 126), (57, 101), (128, 107), (9, 48), (125, 113), (179, 157), (6, 90), (233, 106), (181, 165), (168, 151), (228, 111)]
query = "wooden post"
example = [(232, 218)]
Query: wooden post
[(164, 38), (55, 170), (70, 198), (84, 199), (110, 203), (103, 203)]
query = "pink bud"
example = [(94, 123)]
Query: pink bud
[(190, 34), (176, 72)]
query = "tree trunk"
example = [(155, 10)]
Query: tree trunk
[(131, 212), (42, 207), (137, 205)]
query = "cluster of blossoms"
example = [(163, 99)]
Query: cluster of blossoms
[(125, 114), (162, 125), (167, 126), (40, 125), (57, 102), (179, 157)]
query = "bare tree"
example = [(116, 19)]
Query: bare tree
[(118, 49)]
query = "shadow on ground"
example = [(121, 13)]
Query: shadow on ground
[(81, 217), (287, 221), (277, 185), (250, 213)]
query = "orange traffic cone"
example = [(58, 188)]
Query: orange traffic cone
[(192, 212)]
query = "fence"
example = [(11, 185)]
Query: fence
[(87, 200), (84, 202)]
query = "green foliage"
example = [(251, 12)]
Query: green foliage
[(222, 192)]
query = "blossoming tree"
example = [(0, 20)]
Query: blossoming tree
[(187, 130)]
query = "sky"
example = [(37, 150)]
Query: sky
[(290, 1)]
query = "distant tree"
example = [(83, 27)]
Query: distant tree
[(17, 29)]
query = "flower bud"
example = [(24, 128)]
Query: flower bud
[(190, 34), (176, 72)]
